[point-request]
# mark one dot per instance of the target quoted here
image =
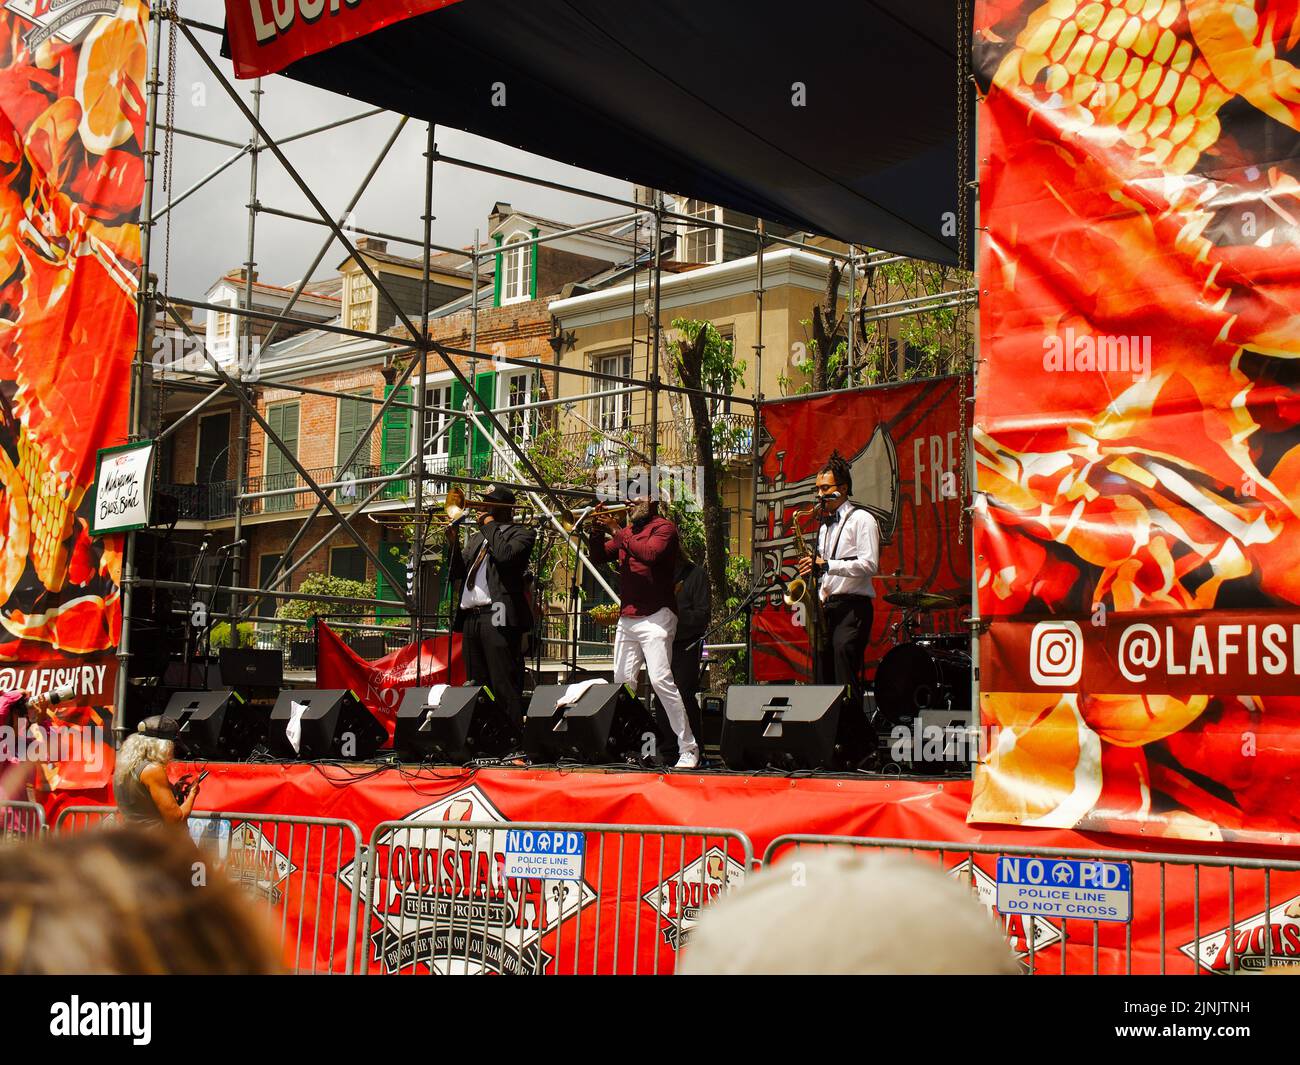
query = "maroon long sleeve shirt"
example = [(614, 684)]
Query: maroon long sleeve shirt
[(646, 557)]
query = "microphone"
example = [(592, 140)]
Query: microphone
[(231, 547)]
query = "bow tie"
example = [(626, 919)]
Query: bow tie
[(831, 519)]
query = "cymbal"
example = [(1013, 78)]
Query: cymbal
[(921, 600), (899, 577)]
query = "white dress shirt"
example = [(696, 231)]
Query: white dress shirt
[(476, 591), (850, 544)]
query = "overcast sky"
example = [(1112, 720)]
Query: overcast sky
[(209, 231)]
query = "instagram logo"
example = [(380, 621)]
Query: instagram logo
[(1056, 654)]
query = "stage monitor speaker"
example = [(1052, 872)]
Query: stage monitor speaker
[(794, 727), (937, 742), (245, 667), (606, 724), (217, 724), (466, 723), (191, 676), (333, 724)]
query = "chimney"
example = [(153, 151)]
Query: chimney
[(371, 244), (242, 274)]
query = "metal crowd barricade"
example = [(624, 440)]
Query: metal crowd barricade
[(294, 867), (1238, 946), (20, 820), (437, 898), (77, 818)]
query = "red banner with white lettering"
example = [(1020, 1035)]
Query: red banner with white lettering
[(1137, 424), (903, 446), (267, 35), (447, 899), (380, 684)]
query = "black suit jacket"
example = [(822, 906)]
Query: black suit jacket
[(509, 548), (694, 602)]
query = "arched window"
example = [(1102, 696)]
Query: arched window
[(516, 270)]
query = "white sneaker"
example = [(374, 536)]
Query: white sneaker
[(688, 759)]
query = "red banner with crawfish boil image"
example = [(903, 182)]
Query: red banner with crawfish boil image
[(1137, 431), (72, 121), (903, 446)]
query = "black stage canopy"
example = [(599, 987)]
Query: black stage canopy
[(701, 98)]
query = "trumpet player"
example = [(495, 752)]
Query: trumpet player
[(492, 612), (847, 557), (646, 555)]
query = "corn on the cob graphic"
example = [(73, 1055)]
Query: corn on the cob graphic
[(1151, 74), (52, 501)]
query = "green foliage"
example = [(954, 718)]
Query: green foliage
[(219, 637), (324, 584), (730, 667), (689, 519), (720, 371)]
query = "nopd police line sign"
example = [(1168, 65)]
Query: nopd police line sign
[(1059, 887), (541, 854)]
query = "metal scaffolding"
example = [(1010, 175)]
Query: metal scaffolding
[(409, 337)]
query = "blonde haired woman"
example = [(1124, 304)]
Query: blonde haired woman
[(141, 787)]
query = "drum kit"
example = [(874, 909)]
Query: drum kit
[(925, 669)]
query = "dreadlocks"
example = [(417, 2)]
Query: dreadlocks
[(838, 468)]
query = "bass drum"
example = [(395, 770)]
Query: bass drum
[(922, 676)]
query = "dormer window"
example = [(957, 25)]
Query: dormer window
[(698, 244), (359, 297), (516, 270), (222, 327)]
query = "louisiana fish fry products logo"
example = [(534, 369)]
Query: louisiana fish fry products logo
[(255, 865), (679, 899), (1256, 943), (443, 901), (65, 19)]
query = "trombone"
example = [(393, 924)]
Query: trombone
[(456, 511)]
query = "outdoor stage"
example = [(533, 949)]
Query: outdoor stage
[(440, 890)]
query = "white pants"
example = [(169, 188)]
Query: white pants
[(650, 640)]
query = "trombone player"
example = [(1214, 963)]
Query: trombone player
[(847, 557), (492, 612)]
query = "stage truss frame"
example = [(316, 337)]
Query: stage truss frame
[(153, 299)]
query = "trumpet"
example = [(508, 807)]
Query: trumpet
[(572, 522)]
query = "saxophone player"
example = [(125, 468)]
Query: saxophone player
[(847, 557)]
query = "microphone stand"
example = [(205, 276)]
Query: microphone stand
[(189, 609), (206, 635)]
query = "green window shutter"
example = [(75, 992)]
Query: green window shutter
[(353, 418), (456, 443), (485, 384), (496, 275), (532, 263), (283, 420), (395, 440), (390, 578)]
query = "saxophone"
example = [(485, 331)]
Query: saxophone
[(799, 591)]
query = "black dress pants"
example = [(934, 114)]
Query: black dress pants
[(844, 642), (494, 656), (686, 675)]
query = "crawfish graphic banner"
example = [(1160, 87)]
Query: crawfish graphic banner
[(1137, 430), (72, 121)]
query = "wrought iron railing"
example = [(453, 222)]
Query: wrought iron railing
[(733, 441)]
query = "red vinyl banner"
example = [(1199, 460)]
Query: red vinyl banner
[(72, 121), (380, 684), (903, 446), (268, 35), (443, 899), (1137, 423)]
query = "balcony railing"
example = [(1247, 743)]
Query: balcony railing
[(733, 440)]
